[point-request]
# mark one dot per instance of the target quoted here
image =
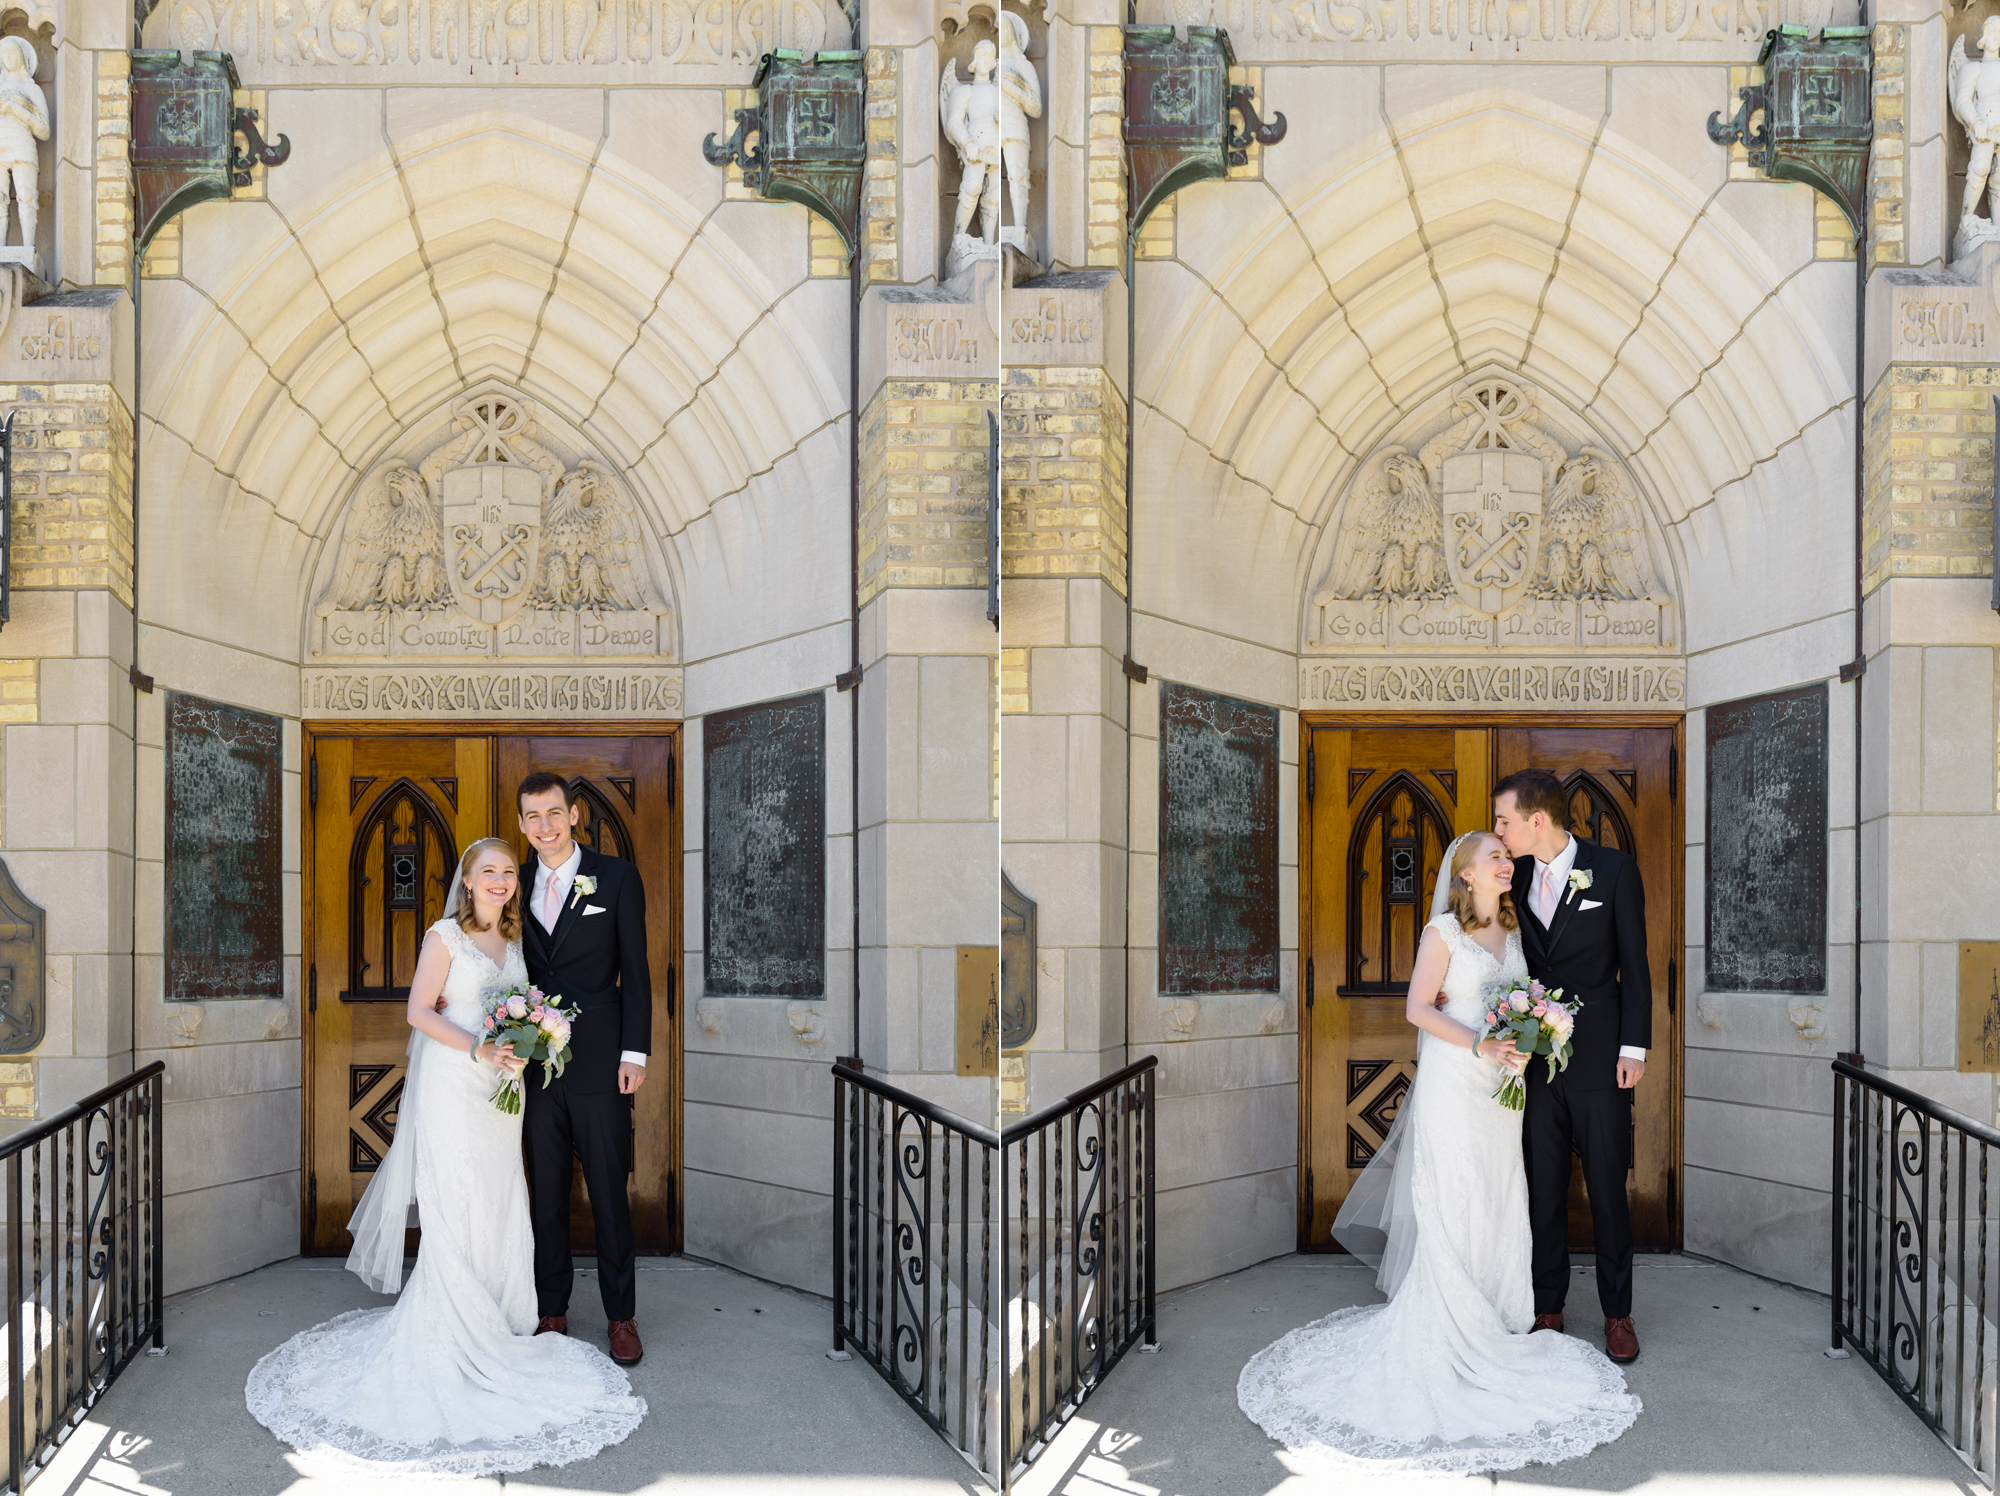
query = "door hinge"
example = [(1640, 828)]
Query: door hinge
[(1312, 772), (1674, 772), (1309, 981), (312, 1202), (670, 991), (673, 1204), (312, 783), (1673, 1199), (1673, 983), (1309, 1200), (312, 988), (673, 769)]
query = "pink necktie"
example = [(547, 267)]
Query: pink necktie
[(1548, 899), (552, 898)]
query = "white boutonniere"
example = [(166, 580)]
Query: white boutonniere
[(585, 885), (1579, 879)]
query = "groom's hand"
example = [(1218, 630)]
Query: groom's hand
[(630, 1077), (1629, 1071)]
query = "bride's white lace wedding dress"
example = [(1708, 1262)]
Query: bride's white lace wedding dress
[(1444, 1377), (450, 1379)]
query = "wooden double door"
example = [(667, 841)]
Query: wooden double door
[(388, 811), (1382, 802)]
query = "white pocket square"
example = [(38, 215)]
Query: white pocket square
[(599, 908), (1591, 904)]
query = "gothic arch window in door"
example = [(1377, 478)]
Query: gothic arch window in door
[(1392, 860), (600, 827), (1593, 811), (399, 875)]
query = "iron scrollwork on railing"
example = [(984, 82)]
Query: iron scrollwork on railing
[(913, 1241), (1912, 1295), (84, 1237), (1080, 1286)]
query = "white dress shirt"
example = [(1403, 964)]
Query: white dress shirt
[(550, 895), (1556, 874)]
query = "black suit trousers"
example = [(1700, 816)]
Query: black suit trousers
[(1599, 1120), (563, 1128)]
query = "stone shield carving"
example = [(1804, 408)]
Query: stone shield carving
[(1493, 524), (492, 528)]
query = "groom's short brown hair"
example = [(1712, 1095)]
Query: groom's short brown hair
[(1536, 790), (540, 783)]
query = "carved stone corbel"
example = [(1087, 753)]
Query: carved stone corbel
[(1178, 100), (811, 130), (184, 127), (1816, 103)]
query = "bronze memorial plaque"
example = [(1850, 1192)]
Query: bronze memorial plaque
[(1979, 1005), (979, 1010)]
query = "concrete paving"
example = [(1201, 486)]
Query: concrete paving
[(741, 1400), (1739, 1397)]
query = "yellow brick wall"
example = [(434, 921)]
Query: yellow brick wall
[(1062, 475), (923, 484), (1928, 496), (1105, 149), (880, 188), (1887, 241), (72, 487), (114, 169)]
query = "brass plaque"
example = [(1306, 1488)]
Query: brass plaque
[(979, 1010), (1979, 1005)]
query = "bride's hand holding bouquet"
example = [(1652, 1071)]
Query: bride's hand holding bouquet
[(1528, 1019), (525, 1025)]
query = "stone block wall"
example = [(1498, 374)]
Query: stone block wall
[(880, 189), (72, 486), (1062, 475), (1928, 494), (114, 185), (1888, 237), (924, 459)]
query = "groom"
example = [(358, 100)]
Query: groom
[(1583, 929), (584, 938)]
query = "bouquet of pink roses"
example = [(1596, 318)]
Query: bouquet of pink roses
[(537, 1026), (1539, 1022)]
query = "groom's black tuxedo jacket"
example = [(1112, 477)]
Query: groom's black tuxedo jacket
[(1596, 955), (597, 963)]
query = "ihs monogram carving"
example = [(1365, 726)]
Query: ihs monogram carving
[(492, 544), (1494, 532)]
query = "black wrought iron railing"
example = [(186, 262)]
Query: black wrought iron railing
[(84, 1228), (1916, 1253), (915, 1238), (1078, 1268)]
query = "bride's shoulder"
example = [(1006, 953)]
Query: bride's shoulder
[(1447, 927), (447, 931)]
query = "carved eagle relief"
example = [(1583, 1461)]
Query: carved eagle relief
[(488, 522), (1408, 535)]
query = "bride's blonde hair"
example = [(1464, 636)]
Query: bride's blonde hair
[(1459, 899), (510, 912)]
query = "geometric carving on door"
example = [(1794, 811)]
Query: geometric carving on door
[(381, 1117), (361, 1080), (1629, 779), (361, 1159), (628, 788), (1361, 1074), (599, 827), (1380, 1113), (1377, 1114), (1449, 779), (450, 787), (357, 787), (1593, 815)]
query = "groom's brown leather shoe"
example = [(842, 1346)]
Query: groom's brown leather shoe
[(625, 1342), (1549, 1322), (1621, 1341), (552, 1324)]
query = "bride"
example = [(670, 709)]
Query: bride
[(450, 1379), (1444, 1377)]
